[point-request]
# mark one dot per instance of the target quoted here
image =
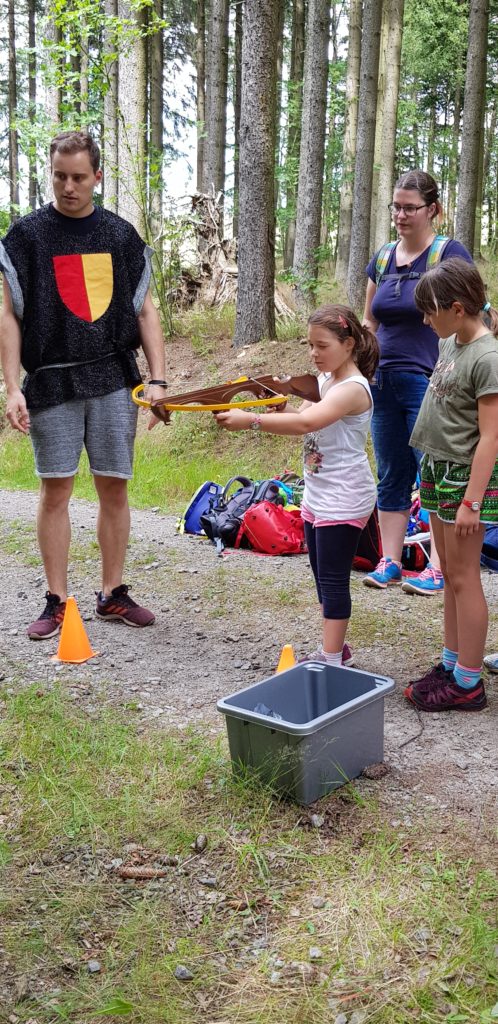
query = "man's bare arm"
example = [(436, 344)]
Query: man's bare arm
[(10, 356), (151, 336)]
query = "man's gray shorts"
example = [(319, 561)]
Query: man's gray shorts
[(105, 426)]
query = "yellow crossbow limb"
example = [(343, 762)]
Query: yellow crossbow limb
[(267, 391)]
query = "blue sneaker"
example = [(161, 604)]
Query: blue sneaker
[(385, 575), (491, 662), (429, 582)]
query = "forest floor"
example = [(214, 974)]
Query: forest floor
[(221, 624)]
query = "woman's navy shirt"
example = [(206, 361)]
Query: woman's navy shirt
[(406, 343)]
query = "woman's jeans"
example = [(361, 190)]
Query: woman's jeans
[(397, 398)]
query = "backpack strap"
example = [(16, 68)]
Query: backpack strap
[(382, 260), (243, 480), (436, 250)]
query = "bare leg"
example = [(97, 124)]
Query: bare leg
[(334, 633), (393, 532), (113, 529), (464, 575), (54, 531), (438, 530), (435, 560)]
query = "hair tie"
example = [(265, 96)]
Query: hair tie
[(343, 322), (487, 305)]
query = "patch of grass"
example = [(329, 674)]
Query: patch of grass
[(19, 538), (406, 925), (168, 464)]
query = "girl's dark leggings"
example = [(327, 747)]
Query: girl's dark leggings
[(331, 551)]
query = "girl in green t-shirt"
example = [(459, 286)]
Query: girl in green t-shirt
[(457, 429)]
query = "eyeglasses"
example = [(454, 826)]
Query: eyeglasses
[(409, 210)]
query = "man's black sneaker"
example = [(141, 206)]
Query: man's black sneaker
[(120, 606), (50, 620)]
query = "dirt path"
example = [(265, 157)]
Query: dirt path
[(220, 626)]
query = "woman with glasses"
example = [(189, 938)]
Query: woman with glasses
[(408, 352)]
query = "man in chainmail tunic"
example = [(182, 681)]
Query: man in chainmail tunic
[(76, 306)]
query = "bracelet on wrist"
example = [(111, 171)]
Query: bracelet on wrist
[(256, 423), (158, 383)]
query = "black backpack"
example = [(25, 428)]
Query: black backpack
[(223, 521)]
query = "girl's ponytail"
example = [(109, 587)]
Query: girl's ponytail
[(489, 317), (367, 353)]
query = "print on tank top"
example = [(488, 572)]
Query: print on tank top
[(312, 456)]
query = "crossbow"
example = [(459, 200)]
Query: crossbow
[(267, 390)]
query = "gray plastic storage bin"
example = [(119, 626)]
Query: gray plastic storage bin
[(331, 728)]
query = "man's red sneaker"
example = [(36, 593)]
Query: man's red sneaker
[(120, 606), (50, 620)]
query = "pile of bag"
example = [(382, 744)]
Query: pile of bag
[(263, 515)]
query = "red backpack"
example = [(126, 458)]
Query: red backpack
[(272, 530)]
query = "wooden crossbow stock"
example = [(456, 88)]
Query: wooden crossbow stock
[(267, 390)]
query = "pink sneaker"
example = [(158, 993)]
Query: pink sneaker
[(318, 655)]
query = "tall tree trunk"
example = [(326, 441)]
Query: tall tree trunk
[(453, 161), (84, 65), (349, 145), (111, 129), (237, 95), (395, 9), (32, 169), (294, 103), (488, 187), (200, 64), (473, 112), (12, 109), (360, 224), (216, 96), (330, 162), (54, 91), (379, 120), (476, 251), (278, 103), (132, 113), (156, 96), (312, 152), (255, 316), (431, 137)]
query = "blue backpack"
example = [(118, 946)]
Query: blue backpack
[(201, 502)]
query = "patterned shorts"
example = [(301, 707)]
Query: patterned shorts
[(443, 486)]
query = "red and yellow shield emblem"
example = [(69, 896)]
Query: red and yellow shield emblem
[(85, 283)]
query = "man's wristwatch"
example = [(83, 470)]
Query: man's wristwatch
[(475, 506)]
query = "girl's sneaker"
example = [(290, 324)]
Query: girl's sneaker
[(318, 655), (436, 676), (491, 662), (385, 575), (448, 697), (429, 582)]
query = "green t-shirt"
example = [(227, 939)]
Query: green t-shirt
[(447, 425)]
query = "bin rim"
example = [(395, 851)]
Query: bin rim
[(384, 685)]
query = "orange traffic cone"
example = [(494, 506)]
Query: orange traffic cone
[(287, 658), (74, 645)]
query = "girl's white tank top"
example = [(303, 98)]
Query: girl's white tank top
[(339, 483)]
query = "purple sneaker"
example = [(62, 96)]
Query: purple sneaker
[(449, 697), (120, 606), (436, 676), (50, 620)]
